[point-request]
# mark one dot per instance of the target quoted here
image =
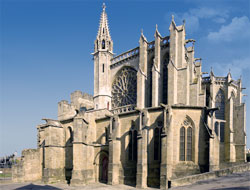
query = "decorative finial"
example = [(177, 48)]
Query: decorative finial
[(156, 27), (172, 17), (103, 6), (141, 31), (184, 22)]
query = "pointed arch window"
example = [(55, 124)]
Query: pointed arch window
[(132, 146), (150, 82), (220, 102), (186, 141), (165, 81), (103, 44)]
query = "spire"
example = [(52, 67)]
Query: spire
[(103, 31), (103, 40)]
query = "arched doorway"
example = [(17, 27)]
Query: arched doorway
[(104, 170)]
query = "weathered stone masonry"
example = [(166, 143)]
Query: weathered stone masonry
[(153, 119)]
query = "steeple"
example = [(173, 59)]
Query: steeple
[(103, 40)]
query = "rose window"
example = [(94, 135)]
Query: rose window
[(124, 88)]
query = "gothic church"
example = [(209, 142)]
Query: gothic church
[(154, 117)]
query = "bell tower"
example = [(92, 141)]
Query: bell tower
[(103, 54)]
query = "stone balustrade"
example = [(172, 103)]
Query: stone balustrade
[(123, 109), (125, 56)]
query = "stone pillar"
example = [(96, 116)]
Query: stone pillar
[(167, 150), (156, 70), (79, 158), (114, 152), (229, 133), (142, 73), (142, 162), (172, 67)]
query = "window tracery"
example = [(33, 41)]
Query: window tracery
[(220, 102), (186, 141), (124, 88)]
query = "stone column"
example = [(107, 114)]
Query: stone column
[(156, 70), (79, 158), (142, 162), (167, 149), (142, 73), (114, 152), (229, 133)]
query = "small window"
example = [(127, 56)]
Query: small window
[(103, 30), (103, 68), (103, 44)]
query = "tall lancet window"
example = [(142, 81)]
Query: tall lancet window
[(189, 144), (165, 80), (182, 144), (150, 82), (132, 146), (186, 140), (157, 141), (103, 44), (220, 114), (220, 102)]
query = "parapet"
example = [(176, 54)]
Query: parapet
[(79, 101)]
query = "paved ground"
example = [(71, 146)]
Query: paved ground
[(240, 181)]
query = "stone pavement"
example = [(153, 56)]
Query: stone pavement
[(238, 181)]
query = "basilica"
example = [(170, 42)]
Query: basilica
[(154, 117)]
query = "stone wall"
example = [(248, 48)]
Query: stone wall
[(29, 169), (210, 175)]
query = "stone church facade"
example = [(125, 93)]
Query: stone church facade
[(154, 117)]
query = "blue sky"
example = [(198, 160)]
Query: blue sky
[(46, 48)]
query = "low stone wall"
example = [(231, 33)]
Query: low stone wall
[(29, 168), (210, 175)]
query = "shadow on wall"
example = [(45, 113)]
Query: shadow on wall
[(41, 187), (69, 156)]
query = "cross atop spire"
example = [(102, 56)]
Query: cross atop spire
[(103, 7)]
